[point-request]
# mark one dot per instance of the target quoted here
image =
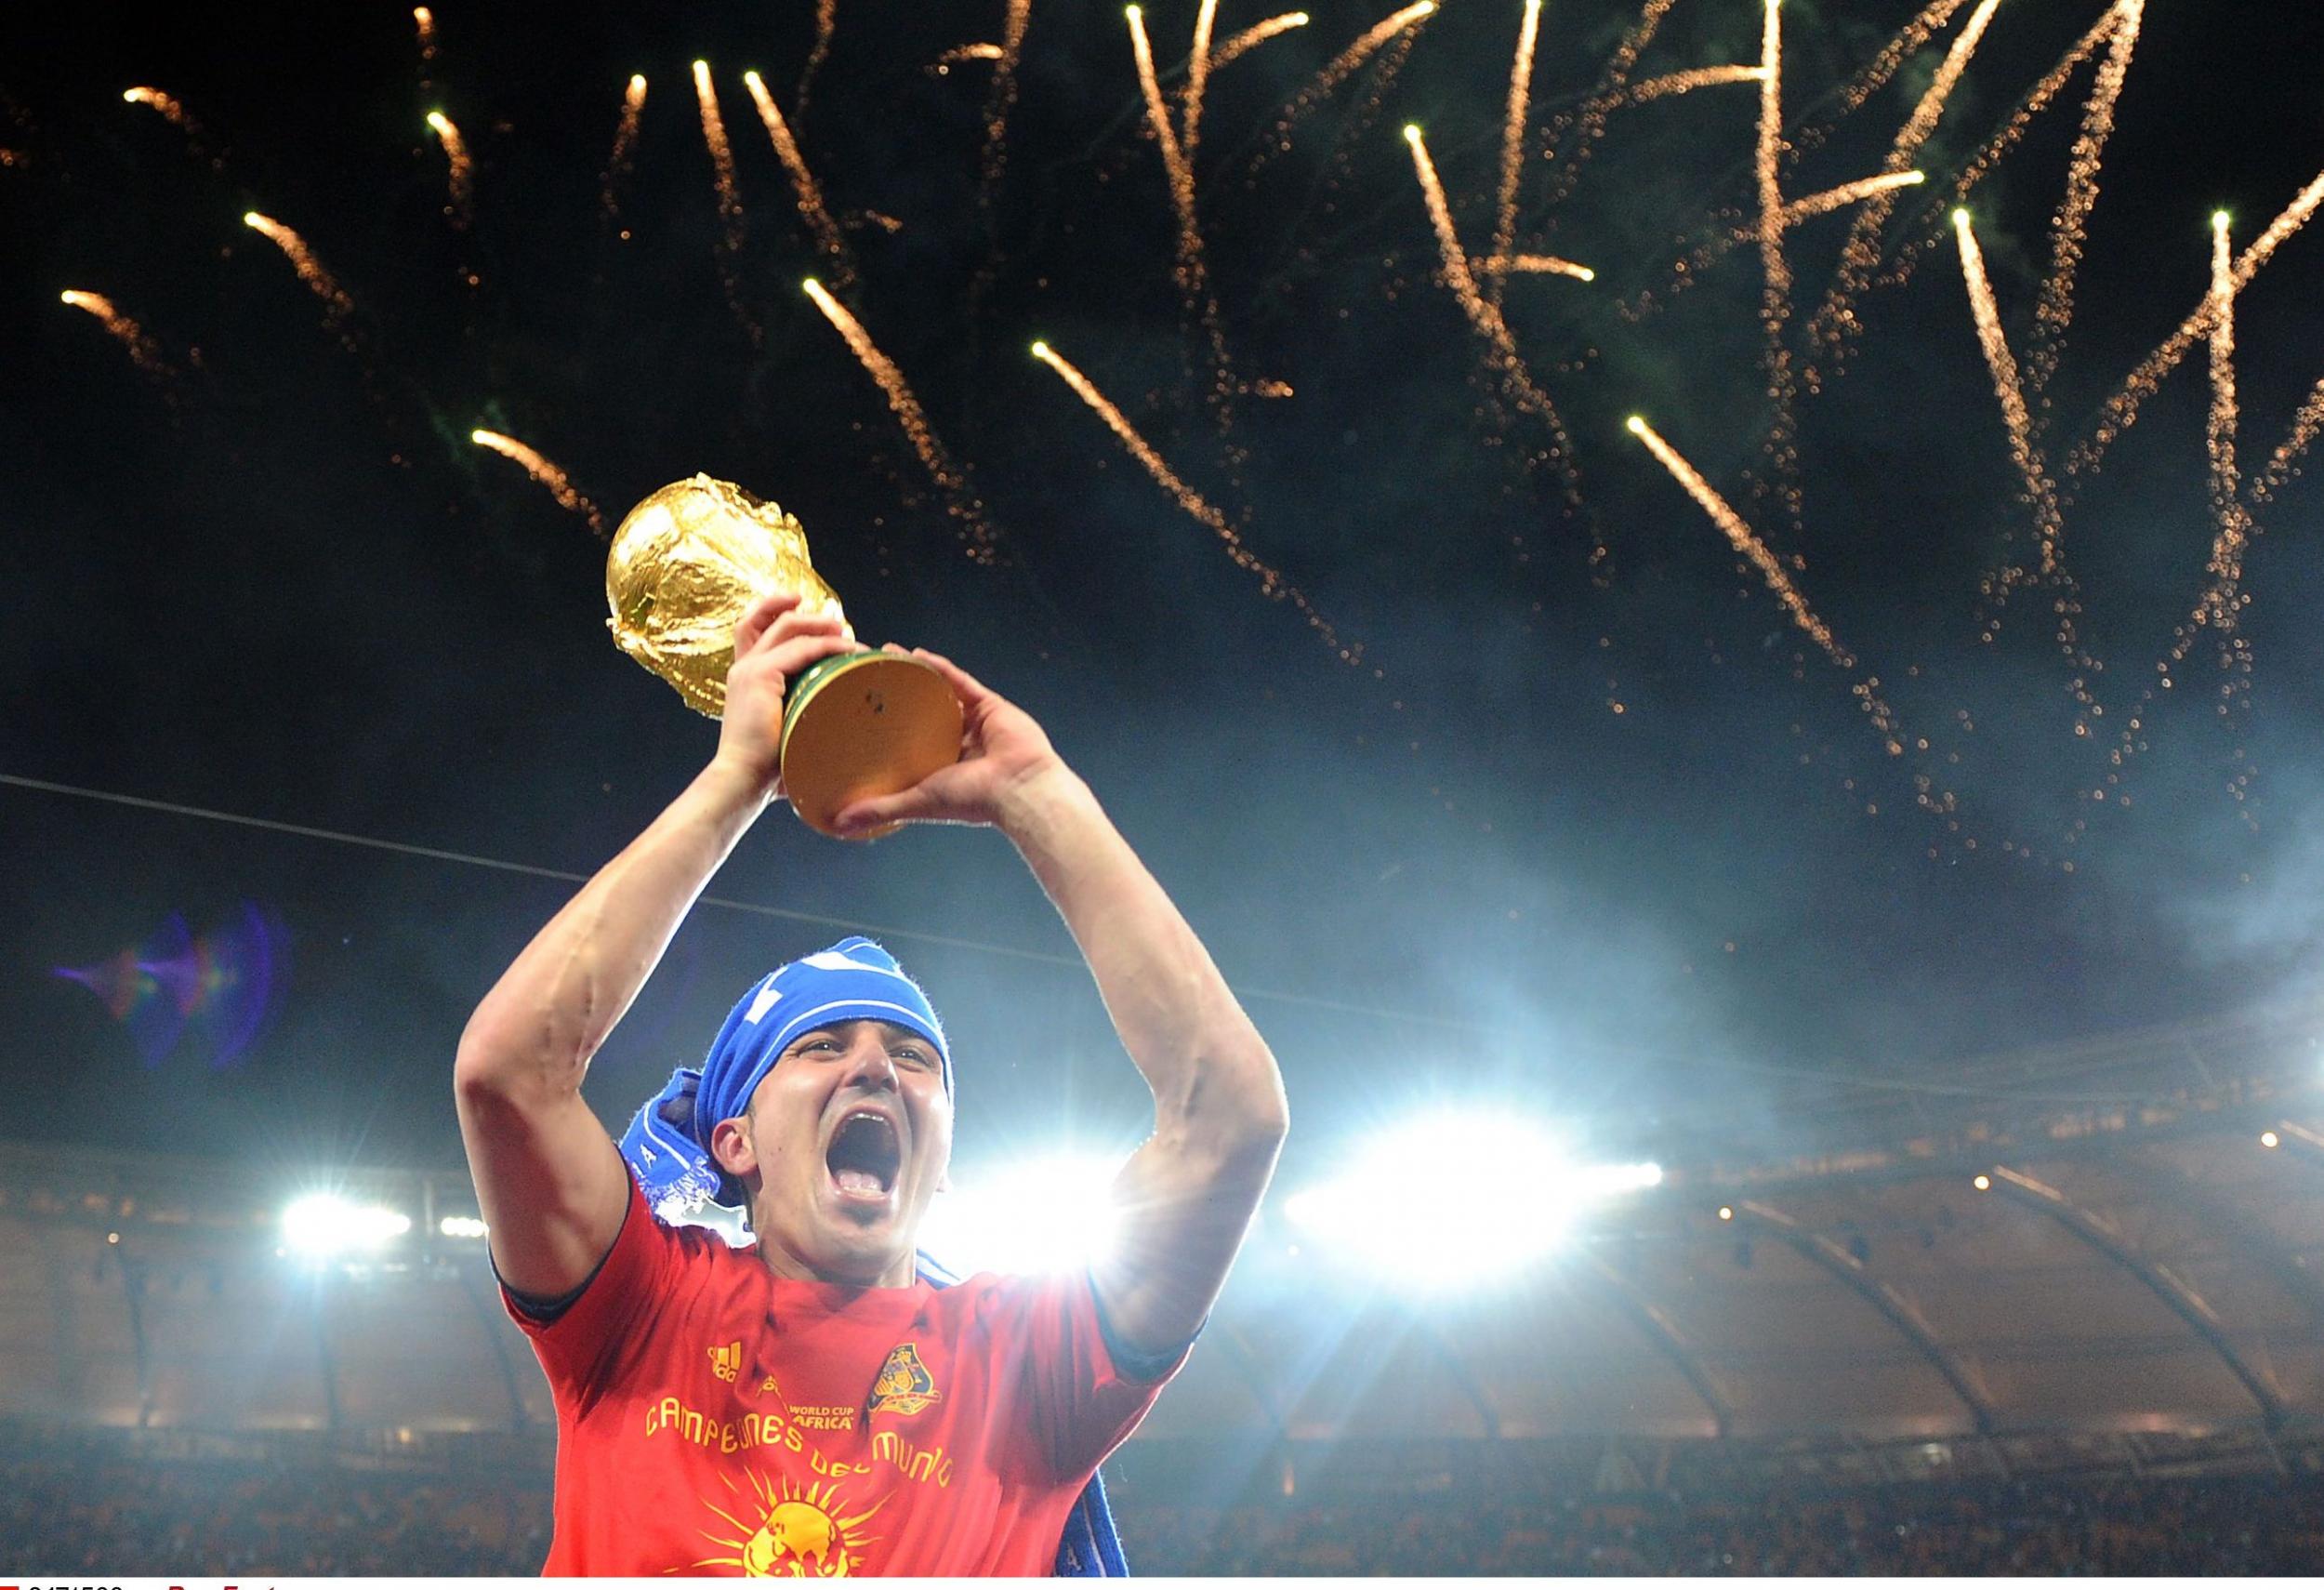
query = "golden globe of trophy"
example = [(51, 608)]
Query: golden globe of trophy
[(686, 565)]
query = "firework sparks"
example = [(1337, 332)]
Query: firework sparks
[(1589, 126), (2040, 490), (1687, 82), (1257, 34), (1158, 119), (144, 353), (460, 170), (1833, 322), (959, 55), (1536, 265), (168, 108), (1513, 116), (2284, 462), (2222, 604), (960, 500), (1340, 67), (1775, 311), (2054, 310), (827, 23), (1002, 98), (2121, 409), (1876, 74), (1484, 316), (424, 20), (810, 206), (1190, 271), (337, 305), (560, 485), (1197, 80), (625, 146), (1848, 193), (1197, 507), (721, 157)]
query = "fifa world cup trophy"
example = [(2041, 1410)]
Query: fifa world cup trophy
[(688, 562)]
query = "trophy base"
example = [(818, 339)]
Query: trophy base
[(865, 724)]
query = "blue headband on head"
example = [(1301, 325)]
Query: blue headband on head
[(667, 1145)]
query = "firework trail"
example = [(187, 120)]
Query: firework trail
[(170, 109), (1199, 65), (1847, 194), (460, 170), (144, 353), (960, 500), (1002, 97), (1687, 82), (1338, 71), (1513, 117), (423, 22), (1536, 264), (2221, 604), (1257, 34), (618, 163), (1775, 311), (1893, 54), (2283, 463), (2041, 491), (722, 158), (1182, 181), (2121, 409), (1832, 324), (1485, 317), (1271, 581), (826, 22), (810, 206), (961, 54), (1588, 124), (540, 468), (2054, 312), (1190, 271), (337, 306)]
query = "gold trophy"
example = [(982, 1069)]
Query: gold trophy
[(685, 565)]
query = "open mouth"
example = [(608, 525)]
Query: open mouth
[(865, 1155)]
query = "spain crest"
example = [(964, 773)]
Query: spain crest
[(905, 1385)]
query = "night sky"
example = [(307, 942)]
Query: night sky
[(1590, 828)]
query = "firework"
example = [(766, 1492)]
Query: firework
[(560, 485), (1893, 54), (961, 54), (1513, 132), (2040, 490), (1589, 126), (1339, 69), (170, 109), (950, 479), (625, 145), (424, 20), (1832, 323), (2121, 409), (337, 305), (1536, 265), (827, 22), (2284, 461), (1775, 311), (1197, 80), (1002, 98), (460, 170), (1687, 82), (2054, 310), (1257, 34), (722, 158), (810, 206), (1484, 316), (1182, 181), (144, 353), (1847, 194), (1197, 507), (2221, 604), (1189, 272)]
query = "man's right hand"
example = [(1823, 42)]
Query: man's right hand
[(776, 640)]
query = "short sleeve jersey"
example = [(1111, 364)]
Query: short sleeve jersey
[(715, 1419)]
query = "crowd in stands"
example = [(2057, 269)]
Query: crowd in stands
[(74, 1510)]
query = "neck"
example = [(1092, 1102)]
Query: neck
[(790, 1264)]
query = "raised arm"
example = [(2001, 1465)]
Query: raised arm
[(1219, 1116), (549, 1181)]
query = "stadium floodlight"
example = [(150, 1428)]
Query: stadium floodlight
[(1456, 1198), (466, 1226), (1033, 1216), (323, 1226)]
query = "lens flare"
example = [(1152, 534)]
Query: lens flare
[(460, 170), (811, 209), (1687, 82), (211, 997), (560, 485), (144, 353), (618, 163), (1271, 581)]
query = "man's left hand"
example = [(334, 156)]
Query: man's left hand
[(1005, 758)]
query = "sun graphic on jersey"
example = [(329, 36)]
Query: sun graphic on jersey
[(799, 1534)]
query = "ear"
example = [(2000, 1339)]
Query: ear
[(732, 1147)]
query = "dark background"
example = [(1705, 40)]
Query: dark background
[(278, 581)]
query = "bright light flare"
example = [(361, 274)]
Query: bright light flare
[(1035, 1216), (465, 1226), (1456, 1199), (323, 1226)]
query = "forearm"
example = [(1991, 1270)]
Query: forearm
[(1210, 1071), (539, 1028)]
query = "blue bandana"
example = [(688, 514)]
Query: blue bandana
[(669, 1141)]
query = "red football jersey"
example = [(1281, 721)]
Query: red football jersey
[(712, 1418)]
